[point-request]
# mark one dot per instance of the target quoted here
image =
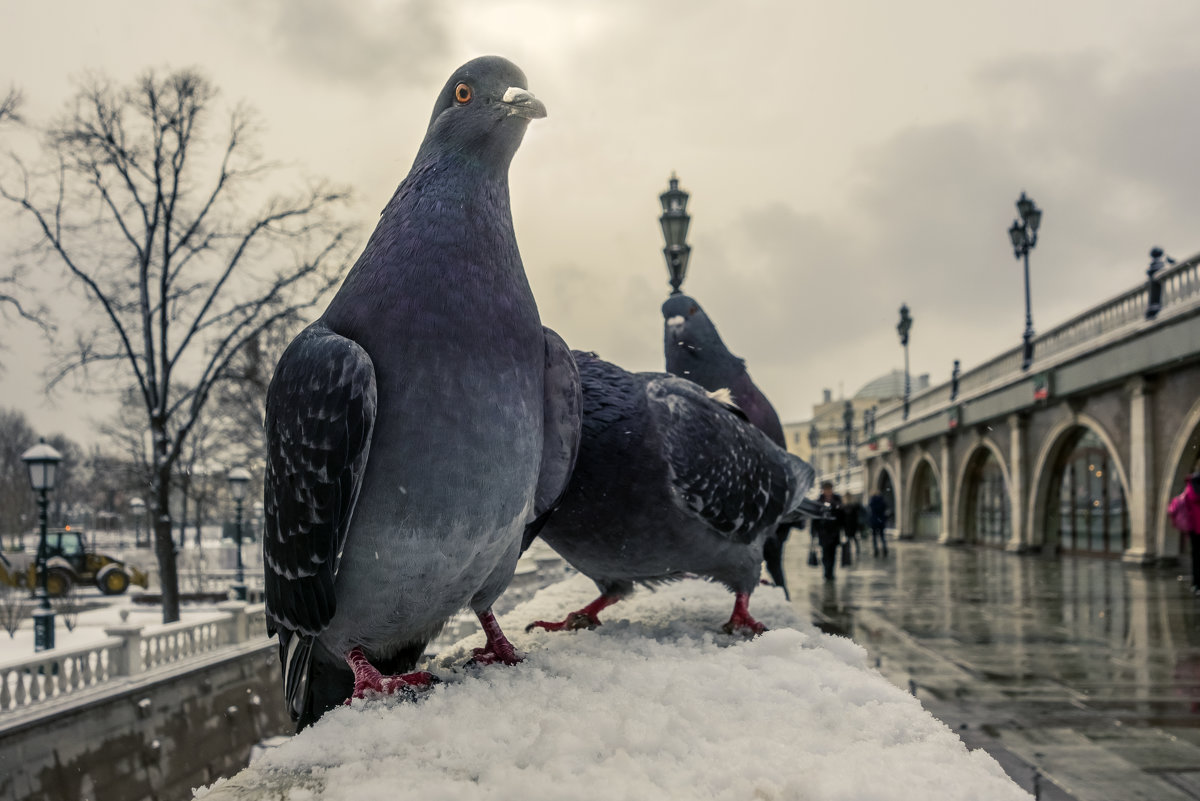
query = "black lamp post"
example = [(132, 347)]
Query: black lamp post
[(848, 431), (42, 461), (1023, 233), (239, 478), (675, 222), (904, 326)]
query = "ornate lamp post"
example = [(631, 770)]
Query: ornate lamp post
[(904, 326), (1023, 233), (42, 461), (138, 507), (239, 478), (675, 222)]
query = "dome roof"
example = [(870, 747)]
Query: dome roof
[(888, 385)]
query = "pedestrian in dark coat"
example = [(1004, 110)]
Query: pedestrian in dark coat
[(828, 530), (877, 514), (854, 515)]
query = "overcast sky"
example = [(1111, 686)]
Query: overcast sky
[(842, 157)]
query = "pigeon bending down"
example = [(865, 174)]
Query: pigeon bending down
[(695, 351), (421, 429), (670, 480)]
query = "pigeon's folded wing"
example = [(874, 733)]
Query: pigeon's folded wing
[(722, 469), (320, 414), (563, 419)]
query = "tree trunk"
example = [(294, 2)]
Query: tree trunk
[(164, 544)]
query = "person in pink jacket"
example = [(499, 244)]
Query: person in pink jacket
[(1184, 512)]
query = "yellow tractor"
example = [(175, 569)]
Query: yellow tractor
[(69, 562)]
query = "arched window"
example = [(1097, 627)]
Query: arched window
[(989, 514), (927, 503), (1092, 516)]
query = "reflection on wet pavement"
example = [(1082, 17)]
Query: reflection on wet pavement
[(1086, 669)]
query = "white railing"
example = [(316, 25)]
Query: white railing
[(127, 651), (1180, 287)]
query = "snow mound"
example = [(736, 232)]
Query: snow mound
[(656, 703)]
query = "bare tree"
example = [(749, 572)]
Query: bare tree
[(13, 293), (166, 225)]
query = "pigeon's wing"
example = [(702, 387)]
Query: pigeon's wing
[(561, 432), (320, 414), (722, 469)]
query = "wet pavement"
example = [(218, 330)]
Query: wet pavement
[(1080, 675)]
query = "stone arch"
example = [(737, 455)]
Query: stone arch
[(1184, 452), (979, 448), (1055, 443), (912, 505)]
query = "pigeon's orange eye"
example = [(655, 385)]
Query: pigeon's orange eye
[(462, 93)]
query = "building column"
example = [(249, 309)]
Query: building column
[(1018, 495), (949, 532), (1142, 547)]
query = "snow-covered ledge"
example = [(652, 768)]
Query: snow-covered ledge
[(656, 703)]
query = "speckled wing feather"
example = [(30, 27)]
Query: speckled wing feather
[(319, 418), (721, 468)]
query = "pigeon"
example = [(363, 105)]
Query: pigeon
[(694, 350), (670, 481), (422, 428)]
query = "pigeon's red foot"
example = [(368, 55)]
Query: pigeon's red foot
[(498, 648), (369, 680), (572, 622), (585, 618), (740, 622)]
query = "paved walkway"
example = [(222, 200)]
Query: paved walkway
[(1081, 676)]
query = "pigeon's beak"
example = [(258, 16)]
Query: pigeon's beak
[(675, 324), (522, 103)]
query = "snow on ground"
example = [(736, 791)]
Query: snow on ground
[(656, 703)]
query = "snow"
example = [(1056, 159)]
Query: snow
[(656, 703)]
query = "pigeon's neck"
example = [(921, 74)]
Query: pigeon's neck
[(711, 366), (444, 240)]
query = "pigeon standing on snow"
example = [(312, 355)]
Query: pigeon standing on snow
[(694, 350), (419, 431), (670, 481)]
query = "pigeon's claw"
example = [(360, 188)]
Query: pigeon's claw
[(368, 681), (586, 618), (741, 622), (498, 648), (572, 622)]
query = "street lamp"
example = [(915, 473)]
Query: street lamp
[(138, 507), (42, 461), (904, 326), (1023, 233), (675, 222), (239, 477)]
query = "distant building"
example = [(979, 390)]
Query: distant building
[(834, 454)]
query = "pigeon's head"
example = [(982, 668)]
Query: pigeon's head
[(687, 327), (482, 112)]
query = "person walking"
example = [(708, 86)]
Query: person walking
[(854, 516), (828, 529), (877, 515), (1184, 512)]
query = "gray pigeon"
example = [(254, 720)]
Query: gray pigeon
[(421, 429), (671, 480), (695, 351)]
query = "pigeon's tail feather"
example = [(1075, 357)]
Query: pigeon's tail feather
[(773, 558), (295, 652), (807, 508)]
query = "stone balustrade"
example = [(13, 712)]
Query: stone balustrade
[(128, 650)]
